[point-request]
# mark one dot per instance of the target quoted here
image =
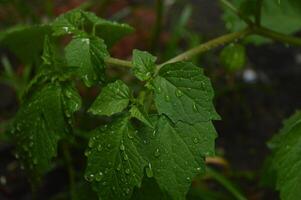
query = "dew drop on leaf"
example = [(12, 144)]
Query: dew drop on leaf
[(157, 153), (98, 176), (127, 171), (149, 171), (195, 140), (122, 147), (179, 93), (167, 98)]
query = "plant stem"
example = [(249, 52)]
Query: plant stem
[(226, 183), (277, 36), (208, 46), (70, 169), (118, 62), (258, 12)]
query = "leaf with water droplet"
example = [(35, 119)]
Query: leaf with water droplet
[(143, 64), (113, 98), (186, 93), (119, 162), (174, 155), (88, 57), (38, 128), (141, 115)]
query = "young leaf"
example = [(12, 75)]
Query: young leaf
[(177, 153), (286, 159), (19, 40), (74, 21), (87, 53), (39, 125), (139, 114), (115, 165), (184, 93), (113, 98), (143, 64)]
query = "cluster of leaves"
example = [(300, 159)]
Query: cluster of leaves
[(164, 137)]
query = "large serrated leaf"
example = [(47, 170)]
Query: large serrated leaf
[(113, 98), (39, 124), (184, 93), (115, 165), (87, 53), (176, 154), (143, 64), (286, 158)]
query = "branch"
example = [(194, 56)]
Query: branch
[(118, 62), (265, 32), (258, 12), (208, 46)]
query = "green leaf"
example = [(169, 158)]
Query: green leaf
[(140, 114), (113, 98), (115, 165), (288, 12), (184, 93), (143, 64), (76, 21), (38, 126), (286, 158), (176, 153), (87, 53), (233, 57), (19, 40)]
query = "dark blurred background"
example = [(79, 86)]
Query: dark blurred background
[(252, 102)]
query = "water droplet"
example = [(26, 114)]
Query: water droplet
[(87, 153), (91, 143), (179, 93), (127, 190), (149, 171), (167, 98), (195, 107), (86, 40), (195, 140), (89, 177), (109, 146), (127, 171), (188, 179), (125, 157), (99, 147), (122, 147), (98, 176), (118, 167), (154, 133), (35, 161), (159, 90), (104, 183), (66, 29), (157, 153), (198, 169)]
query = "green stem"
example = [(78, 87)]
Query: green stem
[(208, 46), (277, 36), (226, 183), (258, 12), (118, 62)]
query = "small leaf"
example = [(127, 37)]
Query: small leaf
[(143, 64), (87, 53), (113, 98), (177, 153), (184, 93), (115, 165), (74, 21), (139, 114)]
